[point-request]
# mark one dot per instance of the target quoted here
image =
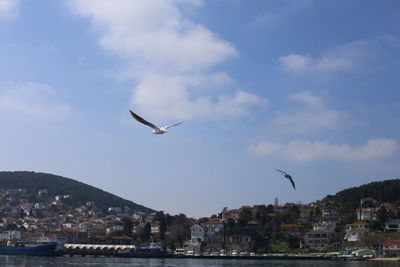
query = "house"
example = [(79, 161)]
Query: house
[(243, 241), (329, 211), (138, 216), (325, 225), (155, 227), (356, 231), (198, 233), (150, 217), (230, 214), (277, 208), (10, 235), (391, 248), (392, 225), (114, 229), (114, 209), (42, 192), (306, 212), (319, 239), (291, 229), (214, 226), (366, 214)]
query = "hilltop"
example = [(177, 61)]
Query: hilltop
[(348, 200), (58, 185)]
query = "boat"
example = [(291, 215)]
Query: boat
[(31, 247)]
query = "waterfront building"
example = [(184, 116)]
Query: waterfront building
[(198, 233), (356, 231), (391, 248), (319, 239)]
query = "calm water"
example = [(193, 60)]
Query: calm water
[(116, 262)]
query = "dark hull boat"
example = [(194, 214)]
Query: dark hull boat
[(31, 248)]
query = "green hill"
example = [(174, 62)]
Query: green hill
[(58, 185), (348, 200)]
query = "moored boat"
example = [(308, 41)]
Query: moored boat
[(31, 247)]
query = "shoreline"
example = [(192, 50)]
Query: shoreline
[(385, 259)]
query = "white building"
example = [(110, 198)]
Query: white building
[(356, 231), (392, 225), (113, 229), (10, 235), (198, 233), (325, 226)]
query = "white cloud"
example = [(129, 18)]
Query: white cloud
[(296, 63), (265, 19), (175, 102), (9, 8), (165, 52), (32, 100), (306, 151), (351, 56), (311, 117)]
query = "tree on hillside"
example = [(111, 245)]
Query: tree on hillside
[(146, 232), (128, 226), (245, 216)]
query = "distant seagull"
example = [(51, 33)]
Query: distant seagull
[(286, 175), (156, 130)]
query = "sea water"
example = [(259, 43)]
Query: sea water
[(25, 261)]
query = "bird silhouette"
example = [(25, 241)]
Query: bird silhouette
[(156, 130), (287, 176)]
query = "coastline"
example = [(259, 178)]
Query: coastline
[(385, 259)]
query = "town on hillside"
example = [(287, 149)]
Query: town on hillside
[(321, 226)]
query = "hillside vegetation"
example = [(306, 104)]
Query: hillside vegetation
[(348, 200), (58, 185)]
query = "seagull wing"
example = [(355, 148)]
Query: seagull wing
[(172, 125), (282, 172), (291, 180), (140, 119)]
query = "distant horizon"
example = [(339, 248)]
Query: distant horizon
[(215, 213)]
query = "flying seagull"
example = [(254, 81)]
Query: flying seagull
[(286, 175), (156, 130)]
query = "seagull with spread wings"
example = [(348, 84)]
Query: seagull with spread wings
[(156, 130), (287, 176)]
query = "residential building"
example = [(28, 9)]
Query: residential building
[(198, 233), (10, 235), (392, 225), (292, 229), (329, 211), (319, 239), (155, 227), (325, 226), (214, 226), (356, 231), (230, 214), (366, 214), (391, 248)]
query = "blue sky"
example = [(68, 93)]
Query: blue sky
[(310, 87)]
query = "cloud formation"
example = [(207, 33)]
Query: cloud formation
[(165, 53), (9, 8), (348, 57), (311, 117), (306, 151), (32, 100)]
